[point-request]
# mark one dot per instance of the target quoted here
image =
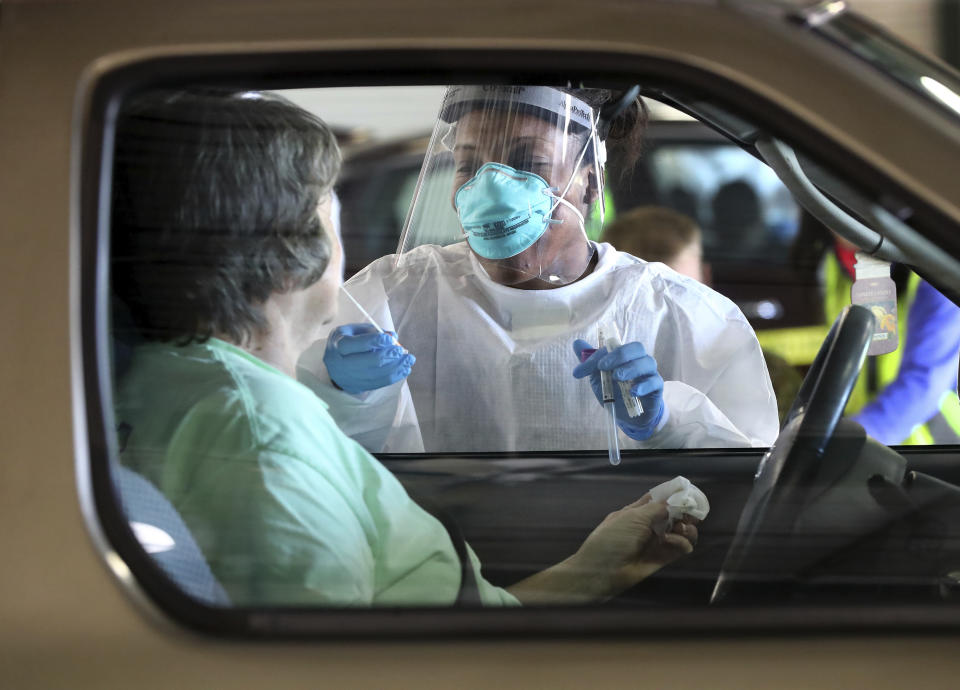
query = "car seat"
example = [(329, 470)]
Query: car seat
[(165, 538)]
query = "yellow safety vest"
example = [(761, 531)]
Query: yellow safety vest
[(799, 347)]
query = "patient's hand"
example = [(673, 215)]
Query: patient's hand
[(624, 548)]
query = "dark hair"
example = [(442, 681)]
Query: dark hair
[(736, 207), (214, 209), (625, 131), (652, 233)]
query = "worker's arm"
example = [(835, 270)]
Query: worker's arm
[(927, 370)]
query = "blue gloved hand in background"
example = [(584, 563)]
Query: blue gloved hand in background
[(629, 362), (359, 358)]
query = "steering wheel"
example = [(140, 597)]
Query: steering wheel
[(784, 480)]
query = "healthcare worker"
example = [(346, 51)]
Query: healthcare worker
[(495, 309)]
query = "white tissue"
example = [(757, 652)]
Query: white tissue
[(682, 498)]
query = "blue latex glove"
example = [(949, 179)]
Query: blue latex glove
[(629, 362), (359, 358)]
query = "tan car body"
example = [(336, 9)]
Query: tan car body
[(64, 619)]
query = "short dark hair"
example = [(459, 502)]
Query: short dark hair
[(625, 133), (652, 233), (214, 208)]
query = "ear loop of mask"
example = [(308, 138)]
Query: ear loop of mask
[(560, 198), (449, 138), (600, 162)]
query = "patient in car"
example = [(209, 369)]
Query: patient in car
[(224, 255)]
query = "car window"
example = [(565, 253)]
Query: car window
[(434, 433)]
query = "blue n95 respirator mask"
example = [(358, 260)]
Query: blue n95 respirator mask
[(503, 211)]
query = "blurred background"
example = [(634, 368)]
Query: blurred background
[(930, 25)]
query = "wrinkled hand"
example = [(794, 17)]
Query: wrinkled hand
[(629, 362), (359, 358), (624, 548)]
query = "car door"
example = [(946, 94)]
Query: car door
[(62, 602)]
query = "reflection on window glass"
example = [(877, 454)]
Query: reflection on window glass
[(453, 425)]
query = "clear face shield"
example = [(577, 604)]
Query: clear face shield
[(521, 167)]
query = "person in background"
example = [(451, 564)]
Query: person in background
[(657, 233), (908, 396), (737, 220), (660, 234), (225, 255)]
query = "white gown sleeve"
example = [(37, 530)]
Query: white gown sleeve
[(695, 422), (738, 410), (382, 420), (721, 394), (744, 392)]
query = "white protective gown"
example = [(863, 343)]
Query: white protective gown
[(494, 364)]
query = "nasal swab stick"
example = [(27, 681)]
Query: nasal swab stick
[(362, 310), (366, 315)]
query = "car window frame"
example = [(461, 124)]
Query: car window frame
[(98, 102)]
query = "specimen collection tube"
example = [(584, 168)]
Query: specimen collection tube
[(606, 387)]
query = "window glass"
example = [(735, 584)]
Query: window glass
[(475, 416)]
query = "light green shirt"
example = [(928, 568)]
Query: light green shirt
[(285, 507)]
